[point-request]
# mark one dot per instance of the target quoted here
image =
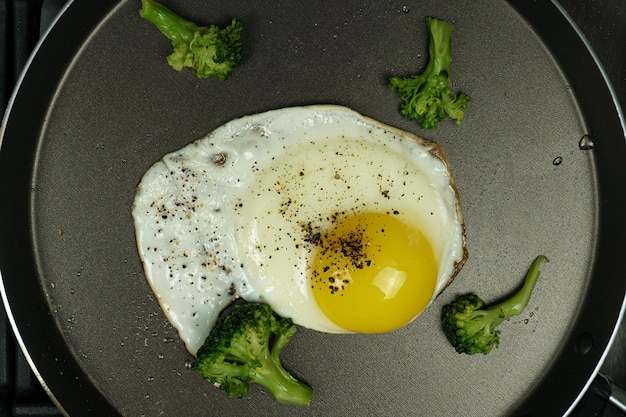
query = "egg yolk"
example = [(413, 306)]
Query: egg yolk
[(373, 273)]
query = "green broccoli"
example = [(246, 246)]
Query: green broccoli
[(207, 50), (427, 97), (471, 329), (244, 346)]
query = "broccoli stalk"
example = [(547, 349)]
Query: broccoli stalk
[(207, 50), (244, 346), (427, 97), (471, 329)]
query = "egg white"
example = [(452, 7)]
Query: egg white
[(227, 215)]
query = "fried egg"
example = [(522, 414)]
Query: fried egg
[(337, 221)]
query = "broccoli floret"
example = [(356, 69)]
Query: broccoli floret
[(427, 97), (207, 50), (471, 329), (244, 346)]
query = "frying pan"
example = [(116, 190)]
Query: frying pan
[(98, 105)]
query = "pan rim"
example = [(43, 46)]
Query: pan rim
[(66, 368), (576, 343)]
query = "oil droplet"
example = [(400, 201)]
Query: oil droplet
[(161, 356), (405, 9), (150, 378), (585, 143), (557, 161), (188, 364), (168, 339)]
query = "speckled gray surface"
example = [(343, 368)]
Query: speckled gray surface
[(120, 108)]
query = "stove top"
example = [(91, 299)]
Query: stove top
[(22, 22)]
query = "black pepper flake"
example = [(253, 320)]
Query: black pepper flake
[(315, 238), (311, 234), (352, 247), (284, 206), (219, 158)]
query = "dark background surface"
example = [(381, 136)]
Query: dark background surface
[(603, 23)]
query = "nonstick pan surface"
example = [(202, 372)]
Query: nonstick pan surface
[(98, 105)]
